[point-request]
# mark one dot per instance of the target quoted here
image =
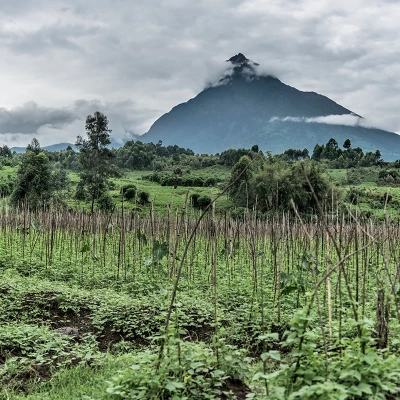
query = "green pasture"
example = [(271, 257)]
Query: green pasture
[(161, 197)]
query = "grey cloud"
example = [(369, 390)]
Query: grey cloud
[(29, 117), (142, 58), (22, 123)]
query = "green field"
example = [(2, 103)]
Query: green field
[(163, 298), (236, 287)]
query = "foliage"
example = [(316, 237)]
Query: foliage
[(275, 184), (348, 158), (6, 188), (95, 157), (129, 191), (29, 349), (143, 198), (354, 367), (105, 203), (185, 181), (187, 371), (239, 183), (388, 177), (139, 155), (293, 155), (33, 186), (231, 157), (5, 151), (200, 202)]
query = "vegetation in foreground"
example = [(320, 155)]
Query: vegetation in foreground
[(245, 309), (144, 287)]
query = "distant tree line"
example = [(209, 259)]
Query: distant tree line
[(347, 157)]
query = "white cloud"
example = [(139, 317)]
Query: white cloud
[(343, 119)]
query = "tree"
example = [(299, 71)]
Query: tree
[(5, 151), (34, 146), (347, 144), (95, 157), (34, 181), (317, 153), (240, 178), (255, 148), (332, 150)]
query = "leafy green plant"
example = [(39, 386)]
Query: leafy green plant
[(352, 368), (32, 351), (187, 371)]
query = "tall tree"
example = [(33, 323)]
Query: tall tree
[(95, 157), (347, 144), (34, 181)]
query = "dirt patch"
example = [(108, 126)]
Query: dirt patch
[(82, 321), (239, 389), (108, 338), (201, 333)]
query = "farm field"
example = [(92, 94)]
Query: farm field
[(179, 304)]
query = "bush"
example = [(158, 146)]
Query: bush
[(210, 182), (194, 198), (127, 187), (177, 171), (105, 203), (130, 193), (204, 202), (143, 198), (200, 202), (6, 188)]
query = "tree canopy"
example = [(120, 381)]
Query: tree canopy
[(95, 157), (34, 184)]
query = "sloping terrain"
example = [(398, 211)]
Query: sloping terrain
[(245, 109)]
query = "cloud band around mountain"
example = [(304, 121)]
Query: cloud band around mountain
[(343, 119)]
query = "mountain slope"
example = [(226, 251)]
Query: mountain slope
[(245, 109)]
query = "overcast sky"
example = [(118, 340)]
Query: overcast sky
[(135, 60)]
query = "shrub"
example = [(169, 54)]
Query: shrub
[(6, 188), (127, 187), (204, 202), (130, 193), (210, 182), (194, 198), (105, 203), (144, 198), (200, 202), (177, 171)]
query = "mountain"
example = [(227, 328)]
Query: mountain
[(245, 108), (63, 146), (53, 147)]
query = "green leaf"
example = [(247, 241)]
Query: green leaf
[(274, 354), (365, 388)]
